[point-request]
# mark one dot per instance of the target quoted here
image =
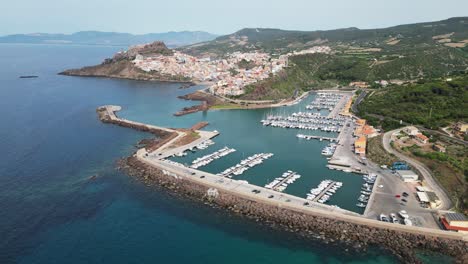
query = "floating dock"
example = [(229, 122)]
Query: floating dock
[(205, 160), (280, 184), (320, 195), (309, 137), (245, 164)]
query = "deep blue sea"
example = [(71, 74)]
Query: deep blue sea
[(51, 143)]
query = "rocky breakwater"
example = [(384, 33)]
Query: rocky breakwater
[(107, 115), (121, 65), (332, 230)]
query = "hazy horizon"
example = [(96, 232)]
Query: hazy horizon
[(146, 16)]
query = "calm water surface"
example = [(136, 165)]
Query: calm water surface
[(52, 143)]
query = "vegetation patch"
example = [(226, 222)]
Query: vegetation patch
[(431, 104), (377, 153)]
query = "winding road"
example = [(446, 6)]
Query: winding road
[(425, 172)]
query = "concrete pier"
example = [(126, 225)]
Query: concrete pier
[(283, 181), (323, 192)]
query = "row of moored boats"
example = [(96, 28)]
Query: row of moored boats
[(324, 191), (207, 159), (329, 150), (205, 144), (366, 190), (281, 183), (326, 101), (245, 164)]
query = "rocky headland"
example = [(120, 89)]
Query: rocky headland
[(121, 65)]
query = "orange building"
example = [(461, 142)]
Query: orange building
[(360, 145), (422, 138), (359, 84), (369, 131), (361, 122), (455, 222)]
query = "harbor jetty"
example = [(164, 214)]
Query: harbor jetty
[(309, 137), (245, 164), (281, 183), (207, 159), (324, 191), (295, 214)]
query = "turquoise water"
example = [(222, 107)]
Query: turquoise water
[(242, 130), (52, 143)]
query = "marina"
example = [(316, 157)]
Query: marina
[(207, 159), (309, 137), (115, 202), (326, 101), (324, 191), (305, 120), (245, 164), (281, 183)]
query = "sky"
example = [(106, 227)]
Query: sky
[(217, 16)]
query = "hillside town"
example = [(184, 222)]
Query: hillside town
[(229, 75)]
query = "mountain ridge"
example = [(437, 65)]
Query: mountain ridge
[(92, 37)]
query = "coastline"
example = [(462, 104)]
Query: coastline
[(214, 103), (127, 71), (402, 241), (148, 79), (325, 226)]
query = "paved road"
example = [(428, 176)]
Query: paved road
[(358, 101), (425, 172)]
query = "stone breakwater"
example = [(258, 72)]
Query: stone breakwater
[(403, 245), (104, 116), (107, 115)]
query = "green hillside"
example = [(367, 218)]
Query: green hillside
[(406, 53), (431, 104), (282, 41)]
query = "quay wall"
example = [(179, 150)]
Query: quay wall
[(402, 244)]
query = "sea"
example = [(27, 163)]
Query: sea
[(62, 199)]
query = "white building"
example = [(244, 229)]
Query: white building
[(411, 130), (407, 175)]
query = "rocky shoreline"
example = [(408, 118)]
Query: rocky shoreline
[(403, 245), (206, 100)]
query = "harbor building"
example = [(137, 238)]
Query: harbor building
[(369, 131), (361, 122), (407, 175), (455, 222), (360, 145)]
